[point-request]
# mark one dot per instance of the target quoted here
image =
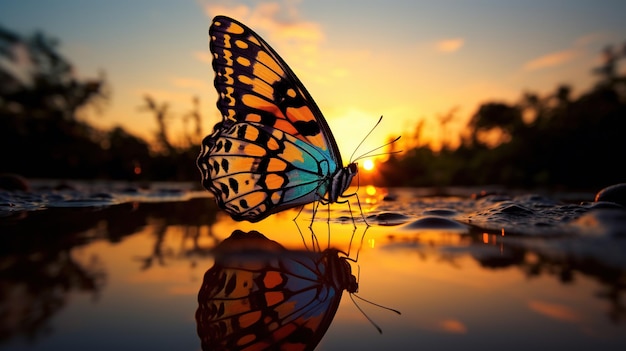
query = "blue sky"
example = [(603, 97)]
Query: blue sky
[(406, 60)]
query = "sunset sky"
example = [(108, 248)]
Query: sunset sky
[(405, 60)]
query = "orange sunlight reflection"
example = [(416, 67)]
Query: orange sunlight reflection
[(453, 326), (555, 311), (443, 283), (370, 190)]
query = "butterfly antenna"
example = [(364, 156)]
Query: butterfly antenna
[(369, 153), (365, 314), (377, 305), (352, 296), (362, 140)]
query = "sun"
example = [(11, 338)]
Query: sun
[(368, 165)]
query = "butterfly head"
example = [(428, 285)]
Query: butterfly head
[(353, 168), (352, 285), (340, 181), (341, 272)]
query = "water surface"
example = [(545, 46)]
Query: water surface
[(113, 266)]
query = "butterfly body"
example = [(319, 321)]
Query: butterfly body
[(259, 295), (273, 149)]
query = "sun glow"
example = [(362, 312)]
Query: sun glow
[(368, 165)]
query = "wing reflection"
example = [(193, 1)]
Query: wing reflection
[(260, 295)]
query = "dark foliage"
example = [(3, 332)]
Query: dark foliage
[(41, 135), (573, 143), (569, 142)]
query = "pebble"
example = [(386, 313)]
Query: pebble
[(11, 182), (389, 218), (614, 193), (429, 223)]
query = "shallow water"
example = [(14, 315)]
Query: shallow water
[(119, 266)]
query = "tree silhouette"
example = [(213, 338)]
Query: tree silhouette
[(496, 117), (608, 70), (195, 116), (444, 120), (40, 132), (556, 139), (38, 81), (160, 112), (552, 140)]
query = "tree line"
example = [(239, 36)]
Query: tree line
[(550, 140), (42, 136), (555, 140)]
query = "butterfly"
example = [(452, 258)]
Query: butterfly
[(273, 149), (259, 295)]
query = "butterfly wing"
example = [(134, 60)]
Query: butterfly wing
[(259, 295), (255, 171), (273, 149), (256, 85)]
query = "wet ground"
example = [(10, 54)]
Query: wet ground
[(119, 266)]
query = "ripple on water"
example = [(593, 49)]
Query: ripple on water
[(442, 212), (435, 223), (48, 194), (388, 218)]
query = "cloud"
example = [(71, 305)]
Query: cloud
[(550, 60), (590, 38), (203, 56), (449, 45), (278, 21), (281, 25), (580, 48), (554, 311), (237, 11)]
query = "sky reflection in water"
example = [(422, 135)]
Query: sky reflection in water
[(127, 277)]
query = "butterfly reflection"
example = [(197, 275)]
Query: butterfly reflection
[(259, 295)]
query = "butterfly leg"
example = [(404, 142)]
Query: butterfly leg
[(323, 201), (298, 215), (349, 208), (358, 201), (315, 245), (315, 204), (350, 244), (315, 207), (328, 212), (356, 259), (351, 216), (326, 202), (315, 241)]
